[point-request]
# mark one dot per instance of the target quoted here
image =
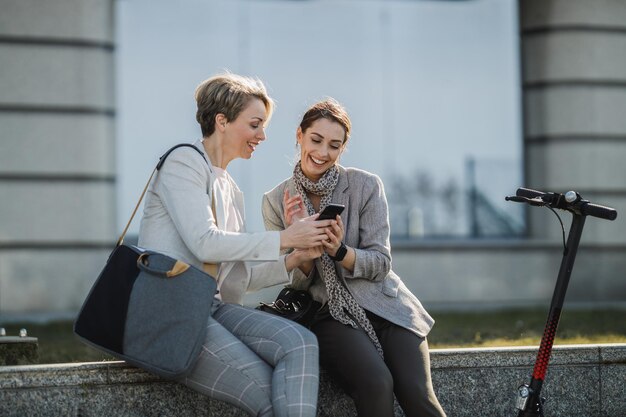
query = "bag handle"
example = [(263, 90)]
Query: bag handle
[(143, 262), (143, 193)]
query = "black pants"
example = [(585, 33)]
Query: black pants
[(350, 357)]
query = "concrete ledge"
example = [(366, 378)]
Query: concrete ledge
[(583, 380)]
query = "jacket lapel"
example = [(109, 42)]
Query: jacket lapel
[(340, 193)]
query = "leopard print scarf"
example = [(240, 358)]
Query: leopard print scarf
[(342, 305)]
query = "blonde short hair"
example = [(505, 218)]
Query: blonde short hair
[(228, 94)]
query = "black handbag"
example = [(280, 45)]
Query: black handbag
[(296, 305), (147, 308)]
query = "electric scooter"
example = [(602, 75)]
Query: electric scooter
[(529, 401)]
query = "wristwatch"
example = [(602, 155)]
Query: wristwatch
[(340, 254)]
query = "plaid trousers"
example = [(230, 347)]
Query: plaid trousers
[(263, 364)]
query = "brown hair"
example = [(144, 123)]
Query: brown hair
[(228, 94), (327, 109)]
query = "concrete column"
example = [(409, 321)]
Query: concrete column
[(57, 168), (574, 83)]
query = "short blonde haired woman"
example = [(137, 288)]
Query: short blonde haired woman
[(194, 212)]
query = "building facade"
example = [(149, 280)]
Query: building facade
[(58, 175)]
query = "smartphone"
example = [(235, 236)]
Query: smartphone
[(331, 211)]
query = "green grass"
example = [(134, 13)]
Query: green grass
[(525, 327), (58, 344)]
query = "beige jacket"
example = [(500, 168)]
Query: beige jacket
[(178, 221)]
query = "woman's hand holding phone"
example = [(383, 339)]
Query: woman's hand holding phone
[(335, 235), (336, 231)]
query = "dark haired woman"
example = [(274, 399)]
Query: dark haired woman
[(371, 329)]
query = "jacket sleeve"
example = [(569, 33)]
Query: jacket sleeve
[(183, 185), (372, 248), (267, 274)]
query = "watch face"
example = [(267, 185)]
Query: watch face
[(341, 253)]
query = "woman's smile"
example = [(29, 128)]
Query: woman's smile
[(320, 147)]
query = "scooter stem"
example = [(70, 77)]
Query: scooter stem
[(533, 403)]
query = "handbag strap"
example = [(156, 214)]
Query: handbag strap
[(157, 168), (209, 268)]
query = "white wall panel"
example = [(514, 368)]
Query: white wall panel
[(57, 212), (584, 164), (575, 55), (575, 110), (56, 76), (34, 143), (70, 19), (555, 13), (47, 281)]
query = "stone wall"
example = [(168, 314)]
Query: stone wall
[(582, 381)]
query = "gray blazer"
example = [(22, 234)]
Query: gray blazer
[(178, 221), (366, 220)]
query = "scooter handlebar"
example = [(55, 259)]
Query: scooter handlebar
[(596, 210), (586, 208), (528, 193)]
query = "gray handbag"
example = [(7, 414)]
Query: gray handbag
[(167, 315), (147, 308)]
